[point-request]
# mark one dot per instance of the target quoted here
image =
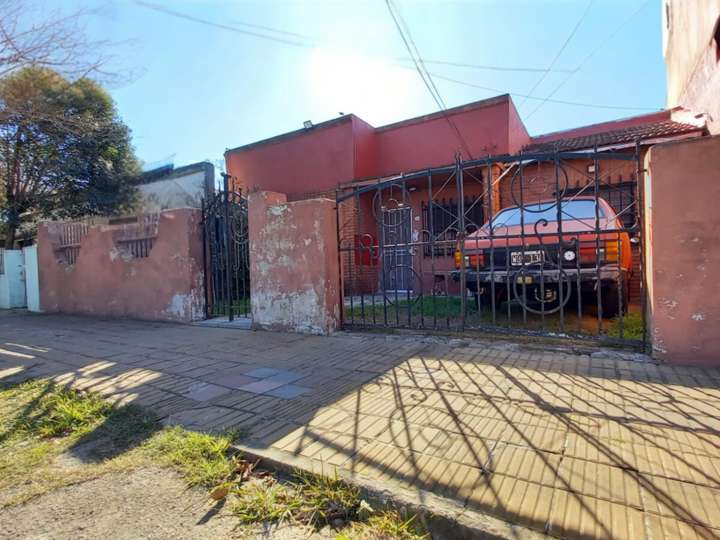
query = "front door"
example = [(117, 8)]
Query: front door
[(396, 236)]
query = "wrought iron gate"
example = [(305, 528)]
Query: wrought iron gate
[(226, 252), (536, 243)]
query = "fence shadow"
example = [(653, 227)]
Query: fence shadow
[(555, 442)]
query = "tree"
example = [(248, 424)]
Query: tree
[(64, 152), (31, 37)]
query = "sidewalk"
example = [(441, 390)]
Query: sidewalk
[(559, 443)]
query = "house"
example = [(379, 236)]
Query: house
[(347, 155), (169, 187)]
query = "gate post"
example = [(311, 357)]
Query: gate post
[(294, 271)]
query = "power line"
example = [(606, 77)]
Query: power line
[(424, 74), (179, 15), (587, 58), (557, 56), (527, 96), (490, 67)]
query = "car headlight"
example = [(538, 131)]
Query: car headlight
[(569, 256)]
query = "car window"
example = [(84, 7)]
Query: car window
[(571, 210)]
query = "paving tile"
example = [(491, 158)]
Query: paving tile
[(202, 391), (233, 381), (261, 387), (261, 373), (286, 376), (289, 391)]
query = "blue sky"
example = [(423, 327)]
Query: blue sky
[(197, 90)]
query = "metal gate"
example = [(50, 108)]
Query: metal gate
[(226, 253), (542, 244)]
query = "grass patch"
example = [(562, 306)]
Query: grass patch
[(203, 459), (632, 324), (387, 525), (41, 422)]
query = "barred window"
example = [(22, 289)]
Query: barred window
[(440, 223)]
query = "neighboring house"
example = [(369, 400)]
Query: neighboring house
[(691, 46), (168, 187), (344, 153)]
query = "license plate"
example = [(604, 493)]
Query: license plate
[(516, 258)]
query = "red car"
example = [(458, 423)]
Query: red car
[(528, 260)]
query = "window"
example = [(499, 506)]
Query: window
[(580, 209), (620, 196), (440, 220)]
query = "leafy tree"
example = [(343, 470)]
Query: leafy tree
[(64, 152)]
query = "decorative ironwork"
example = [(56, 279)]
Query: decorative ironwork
[(531, 243), (226, 251)]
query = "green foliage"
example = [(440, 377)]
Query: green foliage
[(65, 151), (325, 499), (52, 411), (386, 525), (202, 458), (265, 501), (67, 411), (632, 325)]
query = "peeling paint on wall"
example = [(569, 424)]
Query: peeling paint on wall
[(166, 283), (294, 274)]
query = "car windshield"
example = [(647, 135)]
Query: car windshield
[(583, 209)]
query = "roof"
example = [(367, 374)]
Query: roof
[(621, 132)]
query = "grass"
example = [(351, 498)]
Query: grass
[(632, 324), (40, 423), (388, 525), (444, 313), (204, 460)]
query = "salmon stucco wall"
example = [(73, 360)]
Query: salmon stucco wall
[(294, 273), (682, 227), (92, 270)]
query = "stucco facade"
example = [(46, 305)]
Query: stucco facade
[(183, 187), (319, 159), (151, 270), (682, 228), (691, 46)]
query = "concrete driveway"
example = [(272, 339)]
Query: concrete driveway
[(569, 445)]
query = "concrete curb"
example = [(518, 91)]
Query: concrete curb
[(444, 518)]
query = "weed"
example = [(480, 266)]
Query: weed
[(202, 458), (386, 525), (265, 501), (632, 326), (325, 499)]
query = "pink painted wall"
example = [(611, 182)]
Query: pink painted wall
[(106, 281), (430, 141), (294, 272), (682, 227), (317, 160), (306, 161)]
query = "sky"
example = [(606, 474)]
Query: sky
[(190, 90)]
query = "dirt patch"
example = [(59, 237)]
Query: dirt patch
[(148, 503)]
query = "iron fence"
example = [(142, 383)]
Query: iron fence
[(547, 244)]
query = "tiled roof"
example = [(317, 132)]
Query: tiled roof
[(630, 134)]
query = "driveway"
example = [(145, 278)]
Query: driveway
[(571, 445)]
